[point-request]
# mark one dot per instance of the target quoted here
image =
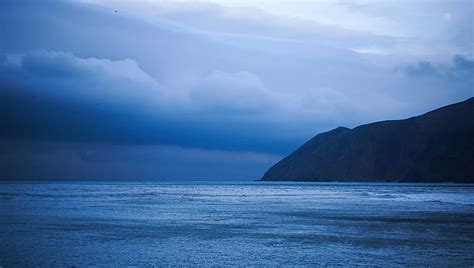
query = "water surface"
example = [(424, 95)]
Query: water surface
[(246, 223)]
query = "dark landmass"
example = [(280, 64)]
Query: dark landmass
[(435, 147)]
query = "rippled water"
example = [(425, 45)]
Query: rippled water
[(120, 224)]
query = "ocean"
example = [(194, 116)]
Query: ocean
[(235, 223)]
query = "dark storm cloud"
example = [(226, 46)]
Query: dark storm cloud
[(79, 73), (56, 96), (304, 84), (66, 160), (123, 80)]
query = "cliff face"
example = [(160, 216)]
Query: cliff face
[(435, 147)]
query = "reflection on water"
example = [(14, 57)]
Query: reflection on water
[(81, 224)]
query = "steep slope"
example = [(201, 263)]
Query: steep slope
[(435, 147)]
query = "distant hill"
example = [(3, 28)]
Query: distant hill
[(435, 147)]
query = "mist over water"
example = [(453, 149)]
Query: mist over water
[(214, 223)]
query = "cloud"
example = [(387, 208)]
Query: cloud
[(437, 81), (460, 66), (53, 64), (243, 19), (79, 73), (59, 74), (447, 16), (151, 81), (422, 68), (232, 92), (66, 160), (463, 63), (437, 28), (58, 96)]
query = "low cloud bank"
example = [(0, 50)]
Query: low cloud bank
[(82, 161)]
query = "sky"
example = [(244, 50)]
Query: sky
[(213, 90)]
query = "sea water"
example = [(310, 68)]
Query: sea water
[(235, 223)]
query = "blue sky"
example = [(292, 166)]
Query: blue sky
[(213, 89)]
